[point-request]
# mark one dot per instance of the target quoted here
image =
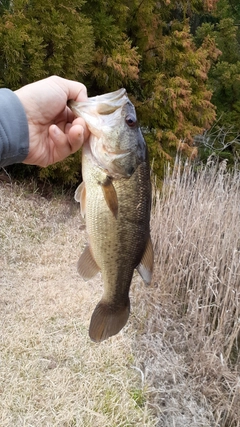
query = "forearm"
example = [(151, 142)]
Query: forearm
[(14, 136)]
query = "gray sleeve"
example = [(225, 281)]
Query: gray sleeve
[(14, 137)]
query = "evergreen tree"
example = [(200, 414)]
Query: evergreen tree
[(115, 61), (39, 38), (148, 48), (224, 78)]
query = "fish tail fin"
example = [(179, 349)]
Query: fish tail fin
[(107, 320)]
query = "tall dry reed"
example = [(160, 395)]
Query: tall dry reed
[(196, 236)]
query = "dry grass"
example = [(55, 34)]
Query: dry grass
[(176, 362), (50, 372), (197, 246)]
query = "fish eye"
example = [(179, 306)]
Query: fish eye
[(131, 120)]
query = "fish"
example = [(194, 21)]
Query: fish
[(115, 200)]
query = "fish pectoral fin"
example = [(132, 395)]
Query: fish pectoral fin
[(145, 267), (80, 196), (87, 266), (110, 195), (108, 320)]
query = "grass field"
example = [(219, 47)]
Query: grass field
[(176, 363)]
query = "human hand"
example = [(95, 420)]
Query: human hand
[(53, 132)]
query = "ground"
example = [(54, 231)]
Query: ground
[(51, 374)]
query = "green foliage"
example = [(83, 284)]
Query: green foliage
[(147, 47), (224, 75), (175, 99), (63, 173), (138, 397), (226, 39), (226, 80), (4, 5), (115, 61), (41, 38)]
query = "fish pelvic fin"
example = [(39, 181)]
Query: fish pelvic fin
[(108, 320), (110, 195), (80, 196), (87, 266), (145, 267)]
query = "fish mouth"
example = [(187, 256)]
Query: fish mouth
[(104, 104), (115, 98), (110, 102)]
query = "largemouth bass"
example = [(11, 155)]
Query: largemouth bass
[(115, 199)]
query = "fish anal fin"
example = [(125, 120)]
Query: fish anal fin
[(110, 195), (87, 266), (107, 320), (145, 267), (80, 196)]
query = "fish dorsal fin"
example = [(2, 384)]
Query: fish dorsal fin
[(145, 267), (110, 195), (87, 266), (108, 320), (80, 196)]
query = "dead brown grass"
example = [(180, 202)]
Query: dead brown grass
[(51, 374), (197, 246), (166, 368)]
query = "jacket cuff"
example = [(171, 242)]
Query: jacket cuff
[(14, 134)]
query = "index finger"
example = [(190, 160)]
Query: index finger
[(77, 91), (73, 90)]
